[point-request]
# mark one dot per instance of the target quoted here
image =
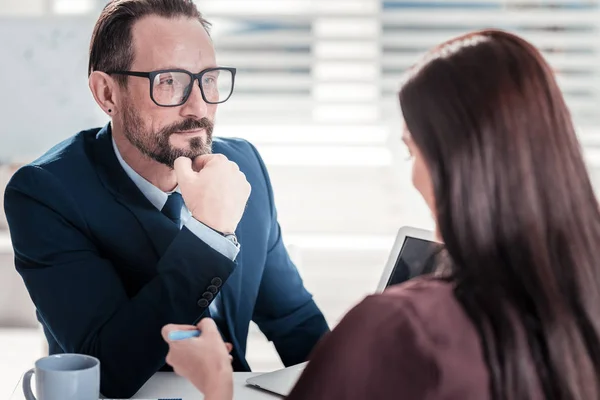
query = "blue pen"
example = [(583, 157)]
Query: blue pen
[(182, 335)]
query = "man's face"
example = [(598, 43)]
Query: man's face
[(166, 133)]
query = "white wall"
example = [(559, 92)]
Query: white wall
[(44, 96), (23, 7)]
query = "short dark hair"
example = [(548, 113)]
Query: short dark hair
[(111, 47)]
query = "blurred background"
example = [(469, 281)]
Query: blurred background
[(316, 93)]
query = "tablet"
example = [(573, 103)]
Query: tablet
[(413, 254)]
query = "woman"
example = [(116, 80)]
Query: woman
[(515, 314)]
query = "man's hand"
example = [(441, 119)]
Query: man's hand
[(204, 361), (214, 190)]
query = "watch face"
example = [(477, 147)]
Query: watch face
[(233, 239)]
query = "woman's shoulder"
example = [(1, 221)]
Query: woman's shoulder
[(427, 286), (416, 342), (429, 306), (421, 297), (427, 302)]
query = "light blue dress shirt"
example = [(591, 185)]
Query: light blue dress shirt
[(158, 198)]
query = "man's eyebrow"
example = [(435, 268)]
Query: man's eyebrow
[(171, 66)]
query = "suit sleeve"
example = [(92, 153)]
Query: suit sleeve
[(285, 311), (80, 297), (213, 239), (376, 352)]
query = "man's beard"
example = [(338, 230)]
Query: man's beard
[(156, 144)]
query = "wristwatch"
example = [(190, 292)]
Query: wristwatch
[(232, 238), (229, 236)]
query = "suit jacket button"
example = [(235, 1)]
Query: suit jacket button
[(217, 282), (212, 289), (207, 296), (203, 303)]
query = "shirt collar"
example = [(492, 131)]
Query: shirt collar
[(157, 197)]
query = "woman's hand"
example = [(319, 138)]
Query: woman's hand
[(204, 361)]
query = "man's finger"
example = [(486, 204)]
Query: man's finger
[(172, 327), (183, 167), (201, 161), (208, 326)]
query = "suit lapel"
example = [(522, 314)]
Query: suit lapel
[(159, 229)]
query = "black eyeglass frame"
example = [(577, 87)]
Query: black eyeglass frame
[(194, 77)]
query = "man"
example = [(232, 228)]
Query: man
[(121, 230)]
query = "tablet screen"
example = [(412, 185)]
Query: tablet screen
[(417, 257)]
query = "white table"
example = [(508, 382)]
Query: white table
[(169, 385)]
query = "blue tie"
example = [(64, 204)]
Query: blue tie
[(172, 208)]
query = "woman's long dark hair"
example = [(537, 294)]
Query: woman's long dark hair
[(516, 210)]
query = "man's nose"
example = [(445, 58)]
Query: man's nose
[(195, 106)]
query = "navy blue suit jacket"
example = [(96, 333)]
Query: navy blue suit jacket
[(106, 270)]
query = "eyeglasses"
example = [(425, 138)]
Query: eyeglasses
[(172, 87)]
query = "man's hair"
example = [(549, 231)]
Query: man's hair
[(111, 47)]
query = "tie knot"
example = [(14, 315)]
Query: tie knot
[(173, 206)]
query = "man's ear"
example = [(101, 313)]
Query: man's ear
[(105, 91)]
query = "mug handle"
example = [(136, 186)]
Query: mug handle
[(27, 385)]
